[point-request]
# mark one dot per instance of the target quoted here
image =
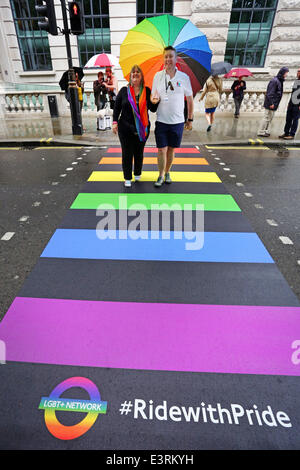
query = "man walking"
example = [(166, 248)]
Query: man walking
[(293, 111), (170, 87), (272, 100)]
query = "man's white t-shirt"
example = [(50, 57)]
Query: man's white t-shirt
[(171, 106)]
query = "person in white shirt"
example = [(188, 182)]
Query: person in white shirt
[(170, 88)]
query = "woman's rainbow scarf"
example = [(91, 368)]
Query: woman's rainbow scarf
[(140, 113)]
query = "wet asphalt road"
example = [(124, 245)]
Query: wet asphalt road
[(271, 177), (24, 177), (266, 186)]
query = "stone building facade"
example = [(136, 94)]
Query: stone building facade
[(212, 17)]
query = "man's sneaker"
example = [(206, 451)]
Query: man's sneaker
[(289, 137), (127, 184), (263, 134), (282, 136), (159, 182), (208, 129), (168, 178), (137, 177)]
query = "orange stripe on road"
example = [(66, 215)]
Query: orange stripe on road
[(150, 160)]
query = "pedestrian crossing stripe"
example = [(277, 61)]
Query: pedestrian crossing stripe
[(178, 176), (153, 160), (210, 247), (211, 202)]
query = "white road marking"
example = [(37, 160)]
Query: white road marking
[(258, 206), (74, 163), (54, 183), (62, 176), (7, 236), (46, 192), (240, 184), (286, 240), (222, 163), (226, 169), (217, 158), (272, 222), (248, 194), (24, 218), (232, 176), (69, 169), (79, 158), (36, 204)]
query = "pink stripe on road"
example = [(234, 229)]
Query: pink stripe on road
[(149, 336)]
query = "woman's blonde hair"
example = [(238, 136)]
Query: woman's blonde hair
[(138, 68)]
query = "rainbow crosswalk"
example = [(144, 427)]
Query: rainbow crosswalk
[(207, 310), (225, 256)]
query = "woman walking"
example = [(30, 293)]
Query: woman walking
[(212, 90), (131, 122)]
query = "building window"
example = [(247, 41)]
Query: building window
[(148, 8), (249, 31), (97, 31), (33, 42)]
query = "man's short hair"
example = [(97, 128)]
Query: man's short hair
[(170, 48)]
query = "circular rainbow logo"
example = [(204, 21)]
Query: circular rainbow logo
[(54, 403)]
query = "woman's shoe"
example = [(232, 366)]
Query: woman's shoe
[(127, 184), (137, 178), (168, 178), (159, 182)]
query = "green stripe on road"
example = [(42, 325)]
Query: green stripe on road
[(211, 202)]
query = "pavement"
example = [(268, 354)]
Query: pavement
[(225, 130)]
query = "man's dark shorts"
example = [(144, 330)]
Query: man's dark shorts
[(168, 135)]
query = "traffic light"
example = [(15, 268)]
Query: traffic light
[(76, 18), (45, 8)]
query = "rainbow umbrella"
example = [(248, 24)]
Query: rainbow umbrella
[(144, 45)]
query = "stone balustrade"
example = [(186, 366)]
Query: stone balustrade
[(35, 104)]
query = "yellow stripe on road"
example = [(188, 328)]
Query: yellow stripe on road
[(57, 147), (248, 147), (177, 176)]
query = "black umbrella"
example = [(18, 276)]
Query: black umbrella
[(220, 68), (64, 81)]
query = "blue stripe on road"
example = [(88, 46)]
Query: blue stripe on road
[(218, 246)]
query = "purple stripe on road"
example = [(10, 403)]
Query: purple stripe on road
[(149, 336)]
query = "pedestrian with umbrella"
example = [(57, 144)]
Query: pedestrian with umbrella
[(131, 122), (212, 90), (64, 81), (170, 87), (238, 87), (188, 60), (100, 93)]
